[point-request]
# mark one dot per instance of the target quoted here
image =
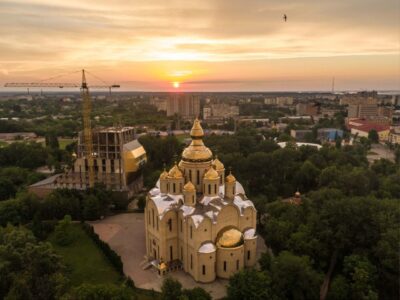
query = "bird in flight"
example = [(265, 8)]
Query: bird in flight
[(285, 17)]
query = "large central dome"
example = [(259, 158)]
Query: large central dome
[(197, 151)]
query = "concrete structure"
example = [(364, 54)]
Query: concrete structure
[(329, 134), (220, 111), (362, 110), (185, 105), (366, 98), (300, 134), (160, 103), (280, 101), (394, 136), (307, 109), (362, 127), (117, 164), (199, 220)]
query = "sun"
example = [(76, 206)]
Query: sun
[(176, 84)]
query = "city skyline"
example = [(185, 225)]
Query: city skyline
[(205, 46)]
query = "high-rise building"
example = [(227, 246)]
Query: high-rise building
[(183, 104), (118, 159), (362, 110), (307, 109), (198, 219)]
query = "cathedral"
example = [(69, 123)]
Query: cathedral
[(199, 220)]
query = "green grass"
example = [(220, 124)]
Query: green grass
[(64, 143), (3, 144), (85, 261)]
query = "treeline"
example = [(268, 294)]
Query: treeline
[(331, 245), (80, 205), (19, 160)]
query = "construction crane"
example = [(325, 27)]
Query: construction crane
[(86, 111)]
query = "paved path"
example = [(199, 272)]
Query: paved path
[(379, 151), (125, 235)]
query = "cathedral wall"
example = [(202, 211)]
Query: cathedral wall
[(229, 261), (228, 216), (206, 267), (250, 252), (248, 219)]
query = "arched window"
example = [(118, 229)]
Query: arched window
[(204, 270), (224, 266), (171, 256), (190, 175), (174, 188), (170, 224), (237, 265), (198, 177), (215, 188), (191, 231), (191, 261), (209, 189)]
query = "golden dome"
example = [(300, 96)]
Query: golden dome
[(196, 151), (297, 194), (175, 172), (230, 178), (164, 174), (230, 238), (219, 166), (197, 130), (211, 174), (189, 187)]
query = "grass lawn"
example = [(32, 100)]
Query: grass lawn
[(85, 261), (64, 143), (3, 144)]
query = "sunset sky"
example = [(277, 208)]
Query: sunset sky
[(207, 45)]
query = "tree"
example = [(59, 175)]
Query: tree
[(373, 136), (100, 292), (249, 284), (91, 208), (29, 269), (63, 233), (196, 293), (171, 289)]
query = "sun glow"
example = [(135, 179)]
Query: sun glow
[(176, 84)]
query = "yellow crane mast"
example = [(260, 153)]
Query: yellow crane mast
[(86, 112)]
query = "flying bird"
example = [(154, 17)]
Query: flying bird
[(285, 17)]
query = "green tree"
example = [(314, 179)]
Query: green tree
[(100, 292), (171, 289), (373, 136), (196, 293), (249, 284), (63, 233), (29, 269)]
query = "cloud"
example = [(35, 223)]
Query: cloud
[(38, 35)]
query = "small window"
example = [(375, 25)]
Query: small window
[(152, 212), (215, 189), (191, 261), (198, 177), (204, 270), (170, 224), (237, 265), (171, 253), (209, 189), (191, 231), (190, 175), (157, 223), (224, 266), (181, 225), (248, 254), (174, 189)]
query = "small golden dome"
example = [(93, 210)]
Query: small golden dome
[(162, 266), (230, 238), (219, 166), (297, 194), (196, 151), (197, 130), (175, 172), (164, 175), (189, 187), (230, 178), (211, 174)]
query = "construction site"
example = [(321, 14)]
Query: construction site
[(111, 156)]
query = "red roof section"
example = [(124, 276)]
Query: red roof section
[(367, 126)]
